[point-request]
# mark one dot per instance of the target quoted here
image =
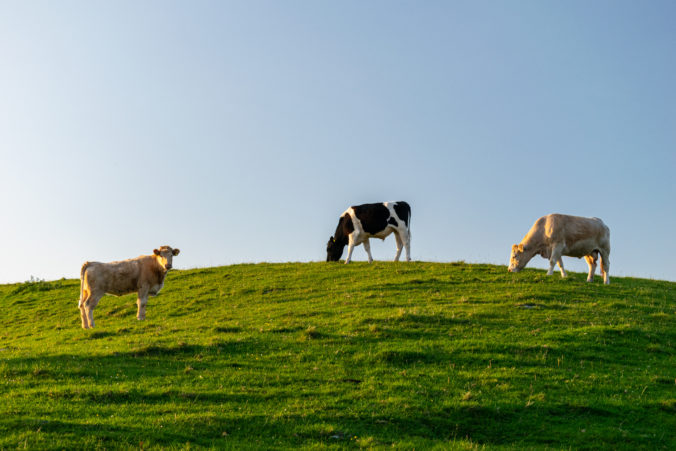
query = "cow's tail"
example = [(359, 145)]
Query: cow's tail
[(408, 231), (82, 282), (409, 219), (409, 225)]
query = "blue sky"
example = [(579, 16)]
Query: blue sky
[(239, 131)]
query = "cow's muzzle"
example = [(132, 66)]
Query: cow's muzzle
[(168, 267)]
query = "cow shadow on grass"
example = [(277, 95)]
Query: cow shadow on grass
[(98, 334), (157, 360), (415, 320), (414, 285), (141, 362), (435, 283), (411, 326)]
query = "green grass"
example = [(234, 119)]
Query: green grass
[(317, 355)]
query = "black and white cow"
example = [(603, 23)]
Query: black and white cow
[(359, 223)]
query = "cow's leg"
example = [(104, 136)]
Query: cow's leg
[(83, 317), (83, 312), (367, 247), (554, 258), (605, 266), (407, 243), (400, 245), (591, 261), (141, 302), (552, 264), (90, 305), (350, 248)]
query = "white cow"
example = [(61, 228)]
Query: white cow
[(555, 235)]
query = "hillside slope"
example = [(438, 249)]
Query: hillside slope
[(314, 355)]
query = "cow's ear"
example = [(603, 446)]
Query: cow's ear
[(156, 252), (176, 251), (520, 247)]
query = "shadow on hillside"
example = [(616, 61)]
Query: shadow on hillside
[(97, 334), (411, 326), (432, 284), (506, 426), (414, 320), (484, 426), (142, 362), (105, 434), (572, 425), (164, 397), (417, 320)]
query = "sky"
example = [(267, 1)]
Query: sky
[(239, 131)]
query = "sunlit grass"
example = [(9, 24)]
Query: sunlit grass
[(321, 355)]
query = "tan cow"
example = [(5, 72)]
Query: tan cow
[(143, 275), (555, 235)]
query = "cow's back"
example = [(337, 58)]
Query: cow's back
[(580, 235), (116, 278), (573, 228)]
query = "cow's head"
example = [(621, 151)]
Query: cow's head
[(334, 250), (518, 258), (165, 255)]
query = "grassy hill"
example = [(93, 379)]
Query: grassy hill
[(318, 355)]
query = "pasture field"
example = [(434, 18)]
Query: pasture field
[(317, 355)]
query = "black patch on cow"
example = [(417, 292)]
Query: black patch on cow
[(403, 210), (392, 221), (373, 217), (347, 225)]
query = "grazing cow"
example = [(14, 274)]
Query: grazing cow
[(359, 223), (555, 235), (143, 275)]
